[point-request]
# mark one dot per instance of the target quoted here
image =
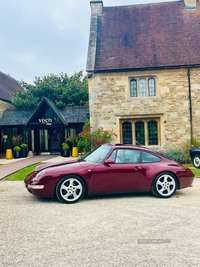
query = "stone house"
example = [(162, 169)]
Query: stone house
[(143, 66)]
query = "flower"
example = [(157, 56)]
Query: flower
[(92, 139)]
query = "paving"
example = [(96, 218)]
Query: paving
[(10, 166)]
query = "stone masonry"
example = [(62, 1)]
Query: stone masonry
[(110, 102)]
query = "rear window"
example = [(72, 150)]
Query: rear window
[(148, 157)]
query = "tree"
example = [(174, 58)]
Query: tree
[(61, 89)]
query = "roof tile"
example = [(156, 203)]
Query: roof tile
[(148, 36)]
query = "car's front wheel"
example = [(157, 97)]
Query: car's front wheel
[(196, 161), (164, 185), (70, 189)]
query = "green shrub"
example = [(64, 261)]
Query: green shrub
[(65, 146), (194, 142), (182, 154), (24, 145), (17, 148), (176, 155), (17, 140), (89, 140)]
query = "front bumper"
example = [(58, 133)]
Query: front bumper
[(34, 186)]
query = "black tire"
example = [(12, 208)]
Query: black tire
[(196, 161), (164, 185), (70, 189)]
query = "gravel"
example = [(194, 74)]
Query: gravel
[(122, 230)]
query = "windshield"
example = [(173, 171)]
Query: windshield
[(99, 154)]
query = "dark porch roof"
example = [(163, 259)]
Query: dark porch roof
[(15, 117), (49, 103), (76, 114), (21, 117)]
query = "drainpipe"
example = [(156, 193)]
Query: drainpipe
[(190, 104)]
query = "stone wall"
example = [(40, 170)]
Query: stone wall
[(110, 101)]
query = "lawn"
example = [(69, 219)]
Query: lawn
[(20, 175), (195, 171)]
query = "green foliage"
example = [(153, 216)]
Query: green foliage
[(182, 154), (195, 142), (89, 139), (176, 155), (24, 145), (61, 89), (84, 139), (65, 146), (74, 139), (21, 174), (193, 169), (17, 140), (17, 149)]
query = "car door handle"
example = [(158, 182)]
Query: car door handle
[(137, 168)]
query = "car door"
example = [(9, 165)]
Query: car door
[(120, 176)]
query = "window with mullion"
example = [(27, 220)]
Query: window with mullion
[(142, 83), (140, 133), (152, 133), (133, 88), (127, 132), (152, 90)]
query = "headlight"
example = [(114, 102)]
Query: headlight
[(39, 176)]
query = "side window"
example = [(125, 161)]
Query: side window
[(125, 156), (131, 156), (117, 155), (148, 157)]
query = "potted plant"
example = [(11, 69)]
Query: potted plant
[(65, 150), (24, 150), (17, 150), (74, 140), (17, 140)]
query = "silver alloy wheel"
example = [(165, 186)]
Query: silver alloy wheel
[(165, 185), (196, 161), (70, 189)]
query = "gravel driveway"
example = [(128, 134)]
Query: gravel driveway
[(126, 230)]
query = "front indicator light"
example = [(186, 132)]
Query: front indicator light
[(34, 186), (38, 176)]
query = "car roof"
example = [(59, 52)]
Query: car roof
[(132, 147)]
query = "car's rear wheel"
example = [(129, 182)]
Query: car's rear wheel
[(164, 185), (70, 189), (196, 161)]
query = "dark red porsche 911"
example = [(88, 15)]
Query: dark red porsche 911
[(110, 169)]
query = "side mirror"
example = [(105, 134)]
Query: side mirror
[(109, 161)]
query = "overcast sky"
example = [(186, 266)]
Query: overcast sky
[(41, 37)]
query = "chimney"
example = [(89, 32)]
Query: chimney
[(96, 7), (96, 11), (190, 4)]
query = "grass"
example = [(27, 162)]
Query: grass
[(20, 175), (194, 170)]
